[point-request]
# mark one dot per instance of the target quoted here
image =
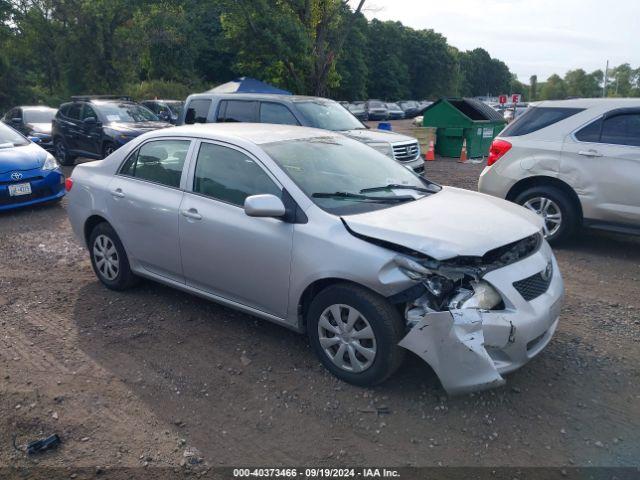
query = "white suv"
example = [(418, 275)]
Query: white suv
[(573, 162)]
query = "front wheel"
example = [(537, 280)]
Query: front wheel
[(555, 208), (355, 334), (62, 152)]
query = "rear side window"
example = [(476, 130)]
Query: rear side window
[(158, 162), (276, 113), (197, 111), (229, 175), (622, 130), (74, 111), (537, 118), (237, 111)]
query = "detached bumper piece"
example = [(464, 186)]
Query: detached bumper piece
[(452, 343)]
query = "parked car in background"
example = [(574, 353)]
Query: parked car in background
[(32, 121), (510, 113), (28, 174), (395, 112), (96, 126), (573, 163), (422, 105), (376, 110), (299, 110), (410, 108), (166, 110), (358, 111), (367, 268)]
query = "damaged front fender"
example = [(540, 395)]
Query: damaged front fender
[(452, 343)]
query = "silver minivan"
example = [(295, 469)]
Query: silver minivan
[(322, 234)]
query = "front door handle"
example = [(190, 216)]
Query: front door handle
[(590, 153), (118, 193), (192, 213)]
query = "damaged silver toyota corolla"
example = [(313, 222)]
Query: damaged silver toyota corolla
[(323, 234)]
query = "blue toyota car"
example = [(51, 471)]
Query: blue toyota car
[(28, 174)]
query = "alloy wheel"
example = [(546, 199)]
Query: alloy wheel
[(347, 338), (549, 211), (61, 151), (106, 257)]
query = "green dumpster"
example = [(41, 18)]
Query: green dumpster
[(459, 119)]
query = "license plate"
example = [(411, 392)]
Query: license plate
[(19, 189)]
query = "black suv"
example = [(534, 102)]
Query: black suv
[(96, 126)]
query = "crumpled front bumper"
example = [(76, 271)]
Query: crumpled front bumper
[(470, 349)]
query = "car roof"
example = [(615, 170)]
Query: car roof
[(35, 107), (589, 103), (260, 96), (257, 133)]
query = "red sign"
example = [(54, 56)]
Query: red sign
[(502, 99), (515, 98)]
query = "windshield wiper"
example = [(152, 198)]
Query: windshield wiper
[(391, 186), (356, 196)]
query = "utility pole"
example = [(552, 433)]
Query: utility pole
[(604, 86)]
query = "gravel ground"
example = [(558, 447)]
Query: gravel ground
[(155, 377)]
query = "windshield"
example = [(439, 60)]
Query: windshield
[(9, 138), (44, 115), (328, 115), (375, 104), (393, 106), (337, 172), (175, 107), (409, 104), (126, 112)]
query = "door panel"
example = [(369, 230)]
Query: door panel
[(224, 251)]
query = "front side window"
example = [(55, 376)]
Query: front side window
[(237, 111), (344, 176), (537, 118), (88, 112), (276, 113), (622, 129), (75, 111), (198, 111), (160, 162), (229, 175)]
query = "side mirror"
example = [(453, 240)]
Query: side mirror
[(264, 206), (34, 139), (90, 121)]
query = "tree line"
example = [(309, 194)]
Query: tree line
[(51, 49)]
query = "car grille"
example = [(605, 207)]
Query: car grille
[(406, 152), (535, 285), (40, 193)]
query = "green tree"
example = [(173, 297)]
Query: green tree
[(533, 88), (388, 73), (553, 89)]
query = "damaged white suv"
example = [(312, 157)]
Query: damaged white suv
[(320, 233)]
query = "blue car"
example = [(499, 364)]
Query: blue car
[(28, 174)]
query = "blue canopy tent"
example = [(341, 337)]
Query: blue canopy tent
[(247, 85)]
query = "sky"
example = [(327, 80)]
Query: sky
[(533, 37)]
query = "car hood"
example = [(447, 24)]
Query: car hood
[(40, 127), (23, 158), (447, 224), (369, 135), (137, 127)]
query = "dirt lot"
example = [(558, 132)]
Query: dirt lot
[(137, 378)]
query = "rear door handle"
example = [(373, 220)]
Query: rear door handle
[(590, 153), (118, 193), (192, 213)]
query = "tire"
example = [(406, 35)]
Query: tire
[(61, 152), (104, 239), (385, 323), (560, 202), (107, 149)]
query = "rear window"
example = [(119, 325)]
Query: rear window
[(537, 118)]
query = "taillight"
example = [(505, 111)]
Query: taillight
[(68, 183), (497, 150)]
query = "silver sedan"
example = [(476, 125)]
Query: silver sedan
[(325, 235)]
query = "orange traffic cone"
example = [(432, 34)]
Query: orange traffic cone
[(463, 152), (430, 156)]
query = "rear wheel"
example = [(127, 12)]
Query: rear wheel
[(62, 152), (109, 259), (355, 334), (556, 210)]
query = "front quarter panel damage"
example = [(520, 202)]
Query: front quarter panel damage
[(452, 343)]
